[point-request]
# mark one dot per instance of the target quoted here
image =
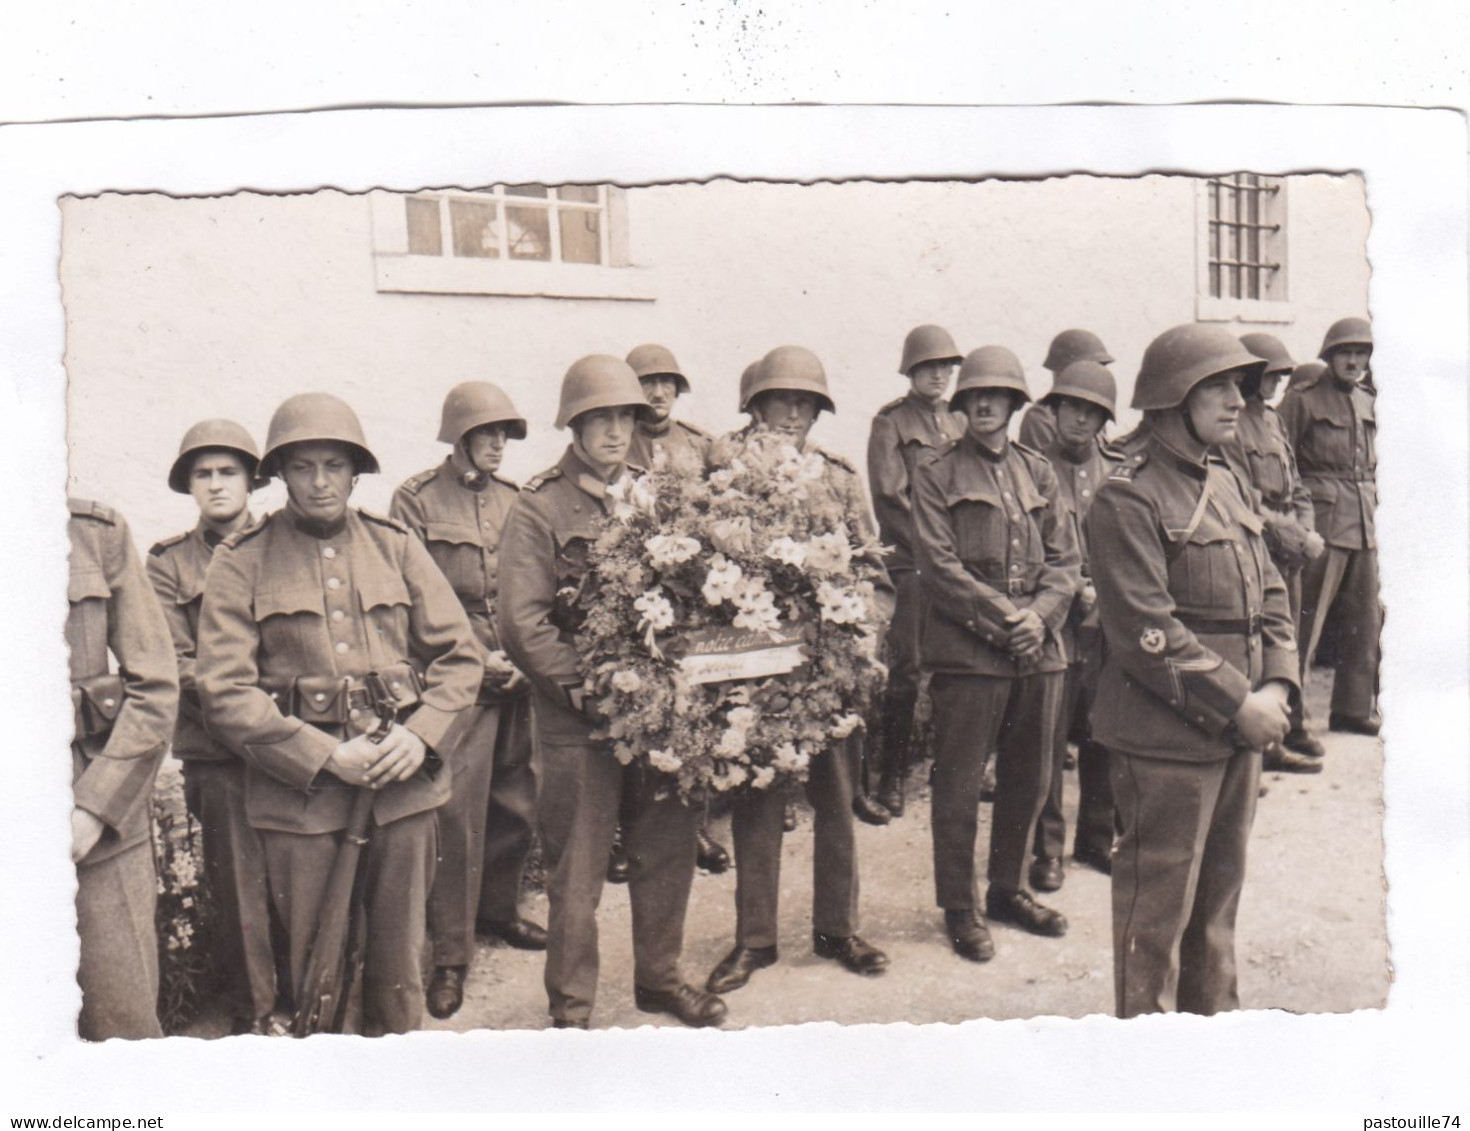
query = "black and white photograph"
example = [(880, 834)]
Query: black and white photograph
[(534, 597)]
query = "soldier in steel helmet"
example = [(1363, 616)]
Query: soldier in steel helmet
[(1082, 399), (785, 396), (217, 465), (1333, 431), (458, 510), (1039, 422), (543, 556), (1000, 565), (905, 431), (1200, 669), (123, 720), (1261, 449), (299, 610)]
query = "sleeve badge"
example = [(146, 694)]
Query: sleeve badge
[(1152, 641)]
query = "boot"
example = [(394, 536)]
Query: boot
[(898, 724)]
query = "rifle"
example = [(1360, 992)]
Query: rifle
[(336, 949)]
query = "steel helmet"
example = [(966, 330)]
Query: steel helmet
[(599, 380), (473, 403), (1075, 345), (1086, 381), (794, 369), (1346, 332), (315, 416), (222, 435), (927, 343), (1179, 359), (747, 380), (1305, 375), (990, 367), (655, 361), (1269, 347)]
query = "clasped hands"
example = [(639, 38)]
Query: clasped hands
[(362, 762), (1265, 716)]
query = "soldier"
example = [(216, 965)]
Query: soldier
[(663, 383), (1304, 376), (1199, 671), (1082, 399), (216, 465), (123, 722), (785, 396), (1038, 422), (1000, 566), (1332, 429), (298, 609), (1260, 448), (543, 554), (458, 510), (905, 431)]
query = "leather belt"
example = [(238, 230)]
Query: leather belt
[(1349, 476), (1215, 626)]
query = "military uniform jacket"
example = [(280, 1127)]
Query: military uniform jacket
[(1332, 430), (993, 539), (1264, 453), (1078, 481), (904, 432), (460, 514), (176, 567), (675, 437), (291, 598), (544, 567), (110, 608), (1038, 426), (1194, 613)]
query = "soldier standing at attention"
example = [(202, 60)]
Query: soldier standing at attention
[(543, 556), (1082, 399), (1001, 567), (123, 723), (905, 431), (1201, 664), (785, 396), (1332, 429), (1261, 449), (216, 465), (458, 510), (687, 446), (298, 609), (1039, 422)]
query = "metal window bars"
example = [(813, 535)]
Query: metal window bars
[(1242, 234)]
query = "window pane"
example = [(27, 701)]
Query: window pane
[(526, 190), (423, 226), (585, 194), (581, 235), (530, 232), (475, 233)]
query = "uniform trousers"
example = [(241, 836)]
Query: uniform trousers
[(1177, 877), (398, 871), (973, 714), (582, 788), (1095, 802), (755, 826), (234, 863), (118, 972), (1353, 620), (903, 635), (485, 829)]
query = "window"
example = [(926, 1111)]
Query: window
[(566, 241), (1242, 249)]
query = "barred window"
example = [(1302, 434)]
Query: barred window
[(566, 224), (1246, 237)]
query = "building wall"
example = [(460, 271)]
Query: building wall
[(183, 309)]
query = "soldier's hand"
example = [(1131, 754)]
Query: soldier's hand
[(352, 759), (86, 831), (498, 663), (1316, 545), (1087, 599), (1264, 717), (1028, 631), (401, 754)]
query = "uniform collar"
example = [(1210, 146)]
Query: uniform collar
[(913, 398), (1195, 468), (575, 468), (655, 430), (466, 474), (984, 452), (314, 529), (211, 538)]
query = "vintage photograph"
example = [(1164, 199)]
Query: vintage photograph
[(723, 604)]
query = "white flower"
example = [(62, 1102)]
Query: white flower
[(788, 759), (722, 582), (839, 605), (733, 775), (630, 496), (742, 718), (658, 614), (787, 551), (763, 777), (624, 753), (731, 744), (664, 762), (626, 682), (845, 725), (757, 606), (828, 553), (666, 550), (732, 535)]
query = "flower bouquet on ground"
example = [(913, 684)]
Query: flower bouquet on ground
[(186, 919), (728, 629)]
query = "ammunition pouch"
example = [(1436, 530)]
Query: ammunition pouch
[(337, 700), (95, 703)]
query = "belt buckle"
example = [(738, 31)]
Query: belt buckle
[(358, 699), (1255, 624), (1015, 587)]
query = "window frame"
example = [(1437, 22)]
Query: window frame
[(1225, 308)]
